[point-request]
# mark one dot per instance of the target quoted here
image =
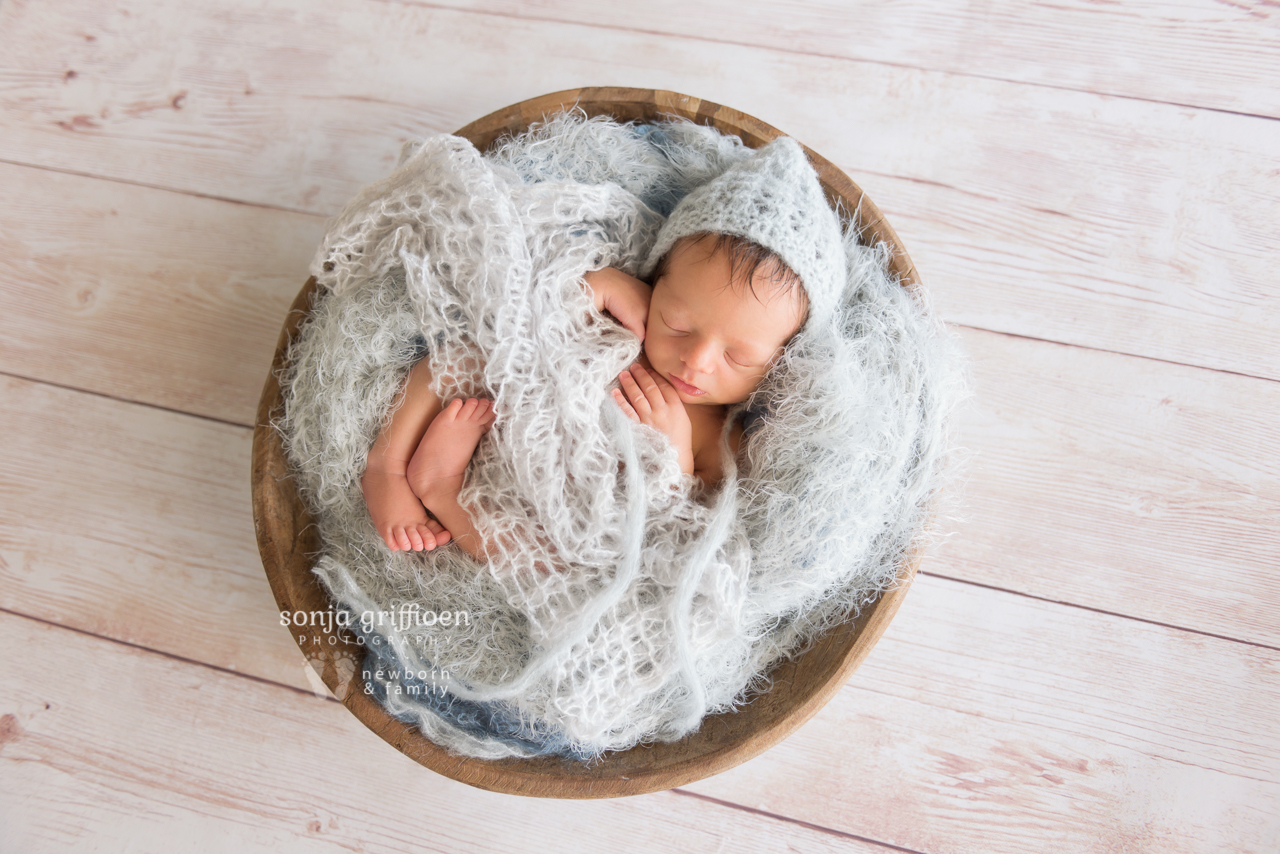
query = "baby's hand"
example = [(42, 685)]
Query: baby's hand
[(623, 296), (652, 400)]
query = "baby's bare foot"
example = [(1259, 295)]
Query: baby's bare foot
[(397, 514), (438, 464)]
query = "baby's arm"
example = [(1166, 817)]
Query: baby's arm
[(623, 296)]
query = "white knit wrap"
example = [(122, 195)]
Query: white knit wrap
[(621, 605)]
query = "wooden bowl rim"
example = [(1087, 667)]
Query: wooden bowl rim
[(288, 539)]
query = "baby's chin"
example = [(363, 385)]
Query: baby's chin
[(704, 400)]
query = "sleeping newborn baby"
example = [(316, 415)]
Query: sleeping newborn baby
[(741, 265), (720, 311), (617, 603)]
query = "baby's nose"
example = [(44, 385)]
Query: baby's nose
[(700, 357)]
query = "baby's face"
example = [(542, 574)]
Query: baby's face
[(715, 343)]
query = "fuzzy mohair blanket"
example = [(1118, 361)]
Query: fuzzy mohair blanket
[(623, 604)]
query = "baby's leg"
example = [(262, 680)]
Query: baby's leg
[(397, 513), (436, 470)]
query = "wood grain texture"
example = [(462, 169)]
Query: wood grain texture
[(139, 529), (144, 294), (123, 749), (1117, 224), (1224, 56), (983, 722), (183, 298), (986, 723), (1123, 484), (975, 703)]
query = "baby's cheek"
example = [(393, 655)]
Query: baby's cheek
[(749, 386), (647, 350)]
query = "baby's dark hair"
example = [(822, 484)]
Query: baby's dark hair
[(748, 258)]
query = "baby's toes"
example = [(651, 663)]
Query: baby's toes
[(452, 408), (442, 536), (396, 539), (415, 538), (428, 539), (390, 540)]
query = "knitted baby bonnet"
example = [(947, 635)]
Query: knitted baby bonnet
[(772, 198)]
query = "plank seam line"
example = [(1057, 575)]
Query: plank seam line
[(835, 57), (105, 396), (169, 655), (1187, 764), (1094, 610), (1072, 727), (129, 182), (259, 205), (241, 426), (330, 698), (231, 423), (1173, 362), (776, 817)]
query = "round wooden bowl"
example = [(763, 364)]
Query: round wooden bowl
[(289, 542)]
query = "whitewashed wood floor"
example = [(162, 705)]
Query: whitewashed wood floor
[(1091, 194)]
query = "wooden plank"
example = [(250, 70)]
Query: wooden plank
[(135, 524), (987, 723), (1123, 484), (1111, 223), (1194, 52), (994, 728), (117, 748), (982, 722), (1164, 487), (145, 294)]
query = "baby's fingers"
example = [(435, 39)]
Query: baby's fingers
[(667, 390), (626, 407), (648, 385), (639, 399)]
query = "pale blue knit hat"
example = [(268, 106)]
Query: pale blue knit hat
[(772, 198)]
